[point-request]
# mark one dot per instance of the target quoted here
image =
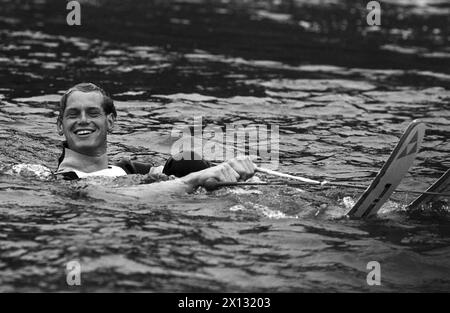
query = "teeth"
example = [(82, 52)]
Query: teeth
[(83, 132)]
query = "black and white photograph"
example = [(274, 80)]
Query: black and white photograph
[(224, 151)]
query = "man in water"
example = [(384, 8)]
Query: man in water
[(87, 114)]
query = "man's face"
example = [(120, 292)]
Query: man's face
[(85, 124)]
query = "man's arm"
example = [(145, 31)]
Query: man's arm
[(230, 171)]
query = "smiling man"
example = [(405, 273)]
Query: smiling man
[(87, 114)]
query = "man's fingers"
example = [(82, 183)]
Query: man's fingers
[(220, 175), (251, 165), (243, 165), (235, 174), (238, 167), (230, 174), (248, 167), (230, 171)]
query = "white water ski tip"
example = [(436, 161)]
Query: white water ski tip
[(391, 174)]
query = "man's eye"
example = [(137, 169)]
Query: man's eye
[(94, 113)]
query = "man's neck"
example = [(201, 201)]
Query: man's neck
[(98, 152), (82, 162)]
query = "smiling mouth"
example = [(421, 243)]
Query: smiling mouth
[(84, 132)]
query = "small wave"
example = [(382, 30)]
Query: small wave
[(271, 214), (241, 191), (29, 170), (262, 209)]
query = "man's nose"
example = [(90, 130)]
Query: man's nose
[(83, 118)]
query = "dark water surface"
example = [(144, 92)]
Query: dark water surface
[(342, 94)]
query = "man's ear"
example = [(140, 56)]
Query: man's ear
[(110, 120), (59, 126)]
